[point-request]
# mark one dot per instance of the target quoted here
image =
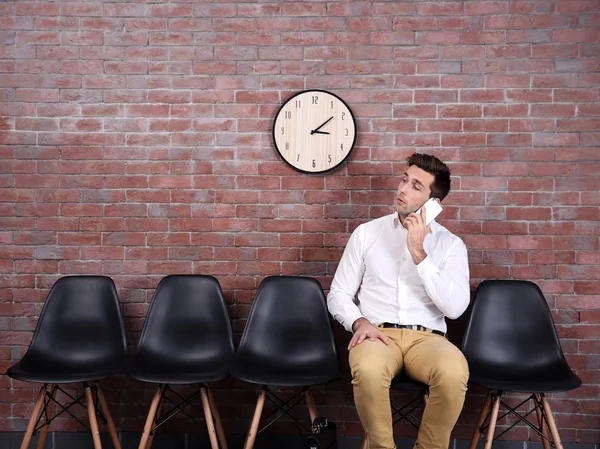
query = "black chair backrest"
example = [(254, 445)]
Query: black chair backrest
[(289, 323), (81, 320), (188, 321), (511, 328)]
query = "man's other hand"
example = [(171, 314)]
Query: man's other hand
[(364, 329)]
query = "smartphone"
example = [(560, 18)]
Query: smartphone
[(432, 210)]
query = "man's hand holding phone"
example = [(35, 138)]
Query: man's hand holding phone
[(432, 208), (417, 225)]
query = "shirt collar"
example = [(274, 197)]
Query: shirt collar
[(398, 225)]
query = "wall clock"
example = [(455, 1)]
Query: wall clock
[(314, 131)]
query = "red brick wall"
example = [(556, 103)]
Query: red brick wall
[(135, 142)]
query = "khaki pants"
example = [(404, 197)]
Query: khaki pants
[(424, 356)]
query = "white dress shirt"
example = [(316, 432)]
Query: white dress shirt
[(391, 288)]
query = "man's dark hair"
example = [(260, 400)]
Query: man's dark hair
[(440, 171)]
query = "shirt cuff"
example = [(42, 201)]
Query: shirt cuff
[(350, 319), (426, 268)]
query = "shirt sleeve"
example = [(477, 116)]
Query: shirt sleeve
[(448, 285), (346, 282)]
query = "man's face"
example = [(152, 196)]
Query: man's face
[(413, 190)]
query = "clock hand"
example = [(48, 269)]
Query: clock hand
[(319, 132), (318, 128)]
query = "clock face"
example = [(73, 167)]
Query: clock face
[(314, 131)]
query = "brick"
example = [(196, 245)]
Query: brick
[(577, 6), (437, 38), (439, 8), (530, 95), (507, 81), (553, 110), (481, 95), (577, 95), (554, 50), (462, 52), (482, 37), (584, 35), (555, 139)]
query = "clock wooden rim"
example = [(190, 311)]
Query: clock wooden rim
[(353, 138)]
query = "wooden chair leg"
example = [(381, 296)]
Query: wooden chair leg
[(109, 421), (541, 421), (155, 421), (49, 410), (37, 409), (249, 444), (217, 417), (484, 410), (551, 424), (150, 417), (92, 416), (210, 424), (493, 418), (312, 408)]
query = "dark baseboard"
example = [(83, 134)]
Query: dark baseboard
[(130, 440)]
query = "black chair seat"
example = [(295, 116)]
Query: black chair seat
[(168, 370), (560, 378), (41, 369), (285, 372), (405, 383)]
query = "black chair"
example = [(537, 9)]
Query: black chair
[(186, 339), (287, 342), (406, 411), (79, 337), (511, 345)]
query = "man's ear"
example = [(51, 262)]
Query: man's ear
[(438, 200)]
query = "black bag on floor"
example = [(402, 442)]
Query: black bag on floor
[(323, 435)]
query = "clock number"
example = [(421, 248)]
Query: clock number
[(298, 105), (343, 115), (332, 105), (342, 147), (282, 131), (298, 158), (346, 131), (329, 159), (288, 114), (287, 145), (314, 164), (315, 99)]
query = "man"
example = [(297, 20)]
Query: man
[(408, 277)]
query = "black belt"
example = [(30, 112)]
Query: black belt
[(415, 327)]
